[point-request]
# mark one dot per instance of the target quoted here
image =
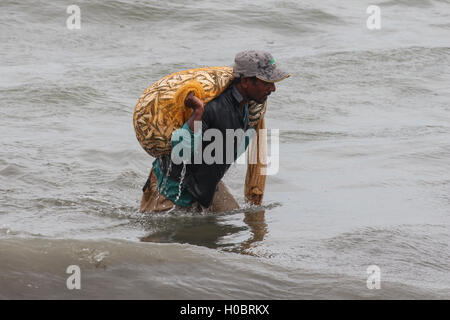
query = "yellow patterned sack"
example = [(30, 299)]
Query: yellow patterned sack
[(160, 109)]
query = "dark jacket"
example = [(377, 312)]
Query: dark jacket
[(201, 180)]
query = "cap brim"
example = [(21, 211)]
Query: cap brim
[(275, 76)]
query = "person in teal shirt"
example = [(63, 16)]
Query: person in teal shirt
[(183, 184)]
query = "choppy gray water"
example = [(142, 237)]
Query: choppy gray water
[(364, 173)]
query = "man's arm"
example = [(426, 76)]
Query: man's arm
[(179, 136), (195, 103)]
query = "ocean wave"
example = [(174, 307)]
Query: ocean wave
[(48, 96), (285, 16), (423, 55), (408, 3), (167, 271), (420, 249)]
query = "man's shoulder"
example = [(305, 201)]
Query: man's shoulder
[(223, 100)]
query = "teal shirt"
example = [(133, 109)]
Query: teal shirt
[(172, 189)]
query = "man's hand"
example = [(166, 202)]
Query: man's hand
[(195, 103)]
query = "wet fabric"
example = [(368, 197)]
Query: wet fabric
[(171, 189), (153, 201)]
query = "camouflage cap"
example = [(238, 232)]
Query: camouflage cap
[(261, 64)]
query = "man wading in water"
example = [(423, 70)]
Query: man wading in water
[(255, 73)]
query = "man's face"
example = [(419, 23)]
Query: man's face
[(259, 90)]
